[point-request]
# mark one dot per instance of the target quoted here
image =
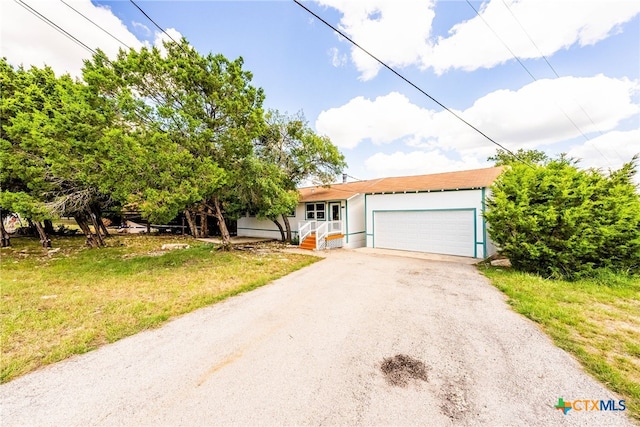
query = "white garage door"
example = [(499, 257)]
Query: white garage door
[(440, 232)]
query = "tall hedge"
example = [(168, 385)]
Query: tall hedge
[(557, 220)]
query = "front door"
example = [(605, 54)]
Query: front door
[(334, 211), (334, 215)]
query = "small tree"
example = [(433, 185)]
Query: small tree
[(299, 153), (560, 221)]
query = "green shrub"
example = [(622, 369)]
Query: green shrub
[(556, 220)]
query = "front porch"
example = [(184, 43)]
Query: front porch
[(319, 235)]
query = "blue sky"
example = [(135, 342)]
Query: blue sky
[(382, 125)]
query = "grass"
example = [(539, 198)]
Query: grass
[(596, 320), (77, 299)]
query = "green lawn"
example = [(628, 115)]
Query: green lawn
[(72, 301), (597, 320)]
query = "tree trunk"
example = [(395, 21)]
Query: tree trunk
[(5, 239), (204, 224), (224, 232), (103, 228), (48, 227), (287, 226), (96, 227), (192, 223), (83, 223), (44, 239), (282, 235)]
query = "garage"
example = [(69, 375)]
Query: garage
[(449, 232), (437, 213)]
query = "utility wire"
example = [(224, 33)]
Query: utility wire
[(67, 34), (501, 41), (53, 25), (553, 69), (409, 82), (88, 19), (530, 39), (533, 77), (157, 26)]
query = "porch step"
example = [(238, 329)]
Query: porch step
[(309, 242), (335, 236)]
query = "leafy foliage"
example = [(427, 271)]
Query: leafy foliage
[(158, 130), (52, 146), (557, 220), (298, 154), (193, 119), (532, 157)]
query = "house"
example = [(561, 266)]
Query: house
[(437, 213)]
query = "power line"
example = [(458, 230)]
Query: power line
[(553, 69), (53, 25), (157, 26), (530, 39), (533, 77), (88, 19), (499, 38), (409, 82)]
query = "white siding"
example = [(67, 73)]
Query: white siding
[(354, 221), (251, 226), (469, 200)]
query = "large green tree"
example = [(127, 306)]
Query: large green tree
[(300, 154), (558, 220), (194, 118), (51, 133)]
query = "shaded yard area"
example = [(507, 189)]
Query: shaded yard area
[(55, 305), (596, 320)]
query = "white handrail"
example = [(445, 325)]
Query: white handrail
[(321, 228), (321, 233), (305, 228)]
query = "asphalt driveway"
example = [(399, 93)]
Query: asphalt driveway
[(308, 349)]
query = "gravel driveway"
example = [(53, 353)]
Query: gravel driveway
[(309, 348)]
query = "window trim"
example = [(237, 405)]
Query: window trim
[(314, 211)]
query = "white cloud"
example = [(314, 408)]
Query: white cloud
[(394, 31), (417, 163), (608, 151), (399, 32), (27, 40), (170, 34), (142, 27), (382, 120), (533, 116), (553, 25), (337, 59)]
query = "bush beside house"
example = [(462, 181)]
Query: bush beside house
[(557, 220)]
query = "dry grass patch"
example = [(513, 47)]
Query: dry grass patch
[(77, 299)]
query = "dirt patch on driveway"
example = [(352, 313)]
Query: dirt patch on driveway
[(400, 369)]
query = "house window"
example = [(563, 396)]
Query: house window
[(316, 211)]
